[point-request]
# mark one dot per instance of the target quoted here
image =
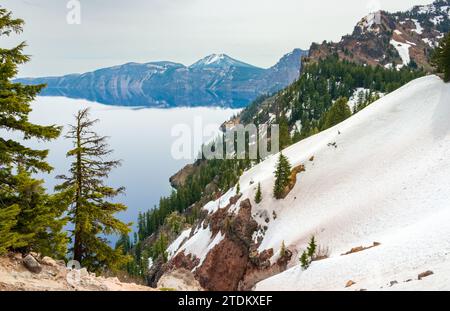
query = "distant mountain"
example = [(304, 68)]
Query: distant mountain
[(219, 61), (392, 39), (216, 80)]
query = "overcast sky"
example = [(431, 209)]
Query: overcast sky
[(116, 31)]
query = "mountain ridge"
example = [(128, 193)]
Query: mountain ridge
[(392, 39), (217, 80)]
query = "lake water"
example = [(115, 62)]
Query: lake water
[(142, 138)]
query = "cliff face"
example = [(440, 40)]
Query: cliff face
[(230, 259), (392, 39)]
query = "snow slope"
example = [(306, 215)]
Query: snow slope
[(380, 176), (387, 181)]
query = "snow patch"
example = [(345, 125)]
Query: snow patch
[(419, 28), (175, 246), (437, 20), (201, 243), (403, 51), (221, 202)]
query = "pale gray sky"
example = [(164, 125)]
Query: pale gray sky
[(116, 31)]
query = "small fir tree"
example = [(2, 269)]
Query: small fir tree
[(312, 247), (175, 222), (258, 195), (304, 261), (282, 176)]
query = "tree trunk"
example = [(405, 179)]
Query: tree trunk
[(78, 245)]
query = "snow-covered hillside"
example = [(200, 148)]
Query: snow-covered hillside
[(380, 176), (387, 182)]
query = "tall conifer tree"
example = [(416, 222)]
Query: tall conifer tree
[(91, 212), (29, 219)]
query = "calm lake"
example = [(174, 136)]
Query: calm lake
[(141, 137)]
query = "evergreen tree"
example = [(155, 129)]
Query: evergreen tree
[(297, 136), (238, 188), (304, 261), (159, 248), (441, 57), (339, 112), (15, 99), (285, 136), (91, 213), (258, 195), (8, 219), (40, 221), (282, 176), (312, 247), (308, 256), (175, 222)]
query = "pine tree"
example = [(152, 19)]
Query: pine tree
[(8, 219), (304, 261), (91, 214), (15, 100), (258, 195), (285, 136), (312, 247), (339, 112), (441, 57), (40, 222), (175, 222), (282, 176), (238, 189), (297, 136), (159, 248)]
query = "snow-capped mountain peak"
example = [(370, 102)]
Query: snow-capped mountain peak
[(219, 60)]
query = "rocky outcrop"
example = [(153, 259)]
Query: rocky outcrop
[(261, 268), (377, 38), (32, 264), (234, 263), (361, 248), (293, 179), (225, 265), (179, 280), (179, 179)]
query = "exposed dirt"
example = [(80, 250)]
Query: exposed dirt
[(54, 276)]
